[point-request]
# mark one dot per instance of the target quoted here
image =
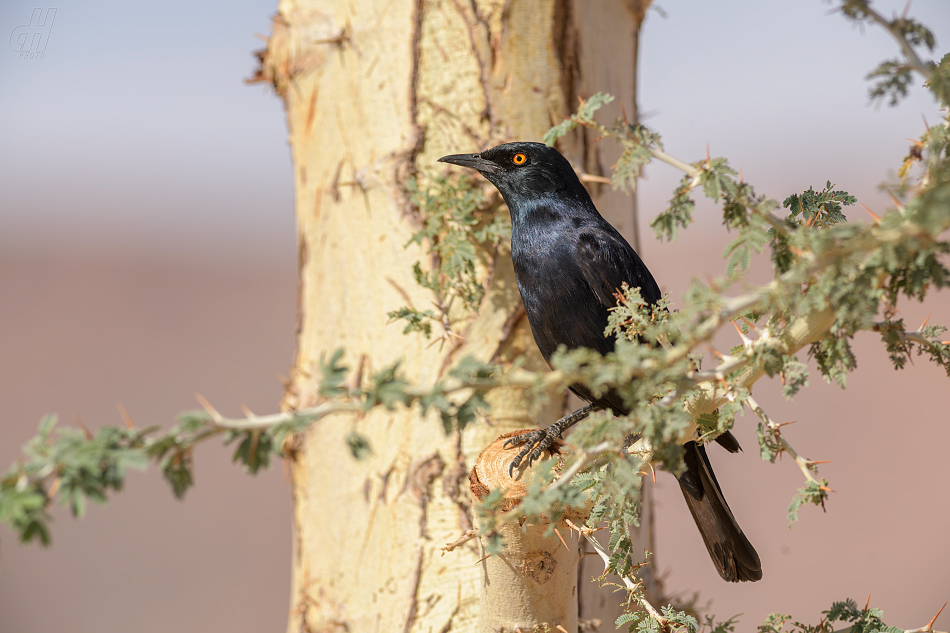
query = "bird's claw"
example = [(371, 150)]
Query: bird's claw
[(536, 442)]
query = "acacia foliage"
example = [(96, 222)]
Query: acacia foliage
[(849, 276)]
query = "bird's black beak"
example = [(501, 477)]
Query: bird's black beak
[(473, 161)]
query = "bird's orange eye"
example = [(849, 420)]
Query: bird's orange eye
[(519, 159)]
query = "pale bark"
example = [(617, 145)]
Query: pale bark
[(532, 582), (374, 92)]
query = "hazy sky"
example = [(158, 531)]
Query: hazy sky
[(135, 131)]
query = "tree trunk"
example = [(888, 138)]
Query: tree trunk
[(532, 581), (375, 91)]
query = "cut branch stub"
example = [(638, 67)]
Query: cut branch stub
[(533, 581)]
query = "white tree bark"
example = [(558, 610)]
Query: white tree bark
[(532, 582), (375, 91)]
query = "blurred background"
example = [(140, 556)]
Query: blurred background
[(147, 252)]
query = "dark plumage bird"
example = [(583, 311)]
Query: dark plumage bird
[(569, 261)]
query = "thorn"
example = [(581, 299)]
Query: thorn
[(746, 341), (402, 292), (653, 471), (561, 538), (207, 407), (55, 486), (810, 221), (799, 252), (906, 9), (825, 461), (740, 175), (826, 489), (125, 417), (868, 603), (592, 178), (934, 619), (787, 423), (873, 215), (82, 427), (247, 412), (897, 203), (483, 558), (561, 628), (924, 324), (623, 113), (707, 156), (750, 324)]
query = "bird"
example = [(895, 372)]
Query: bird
[(569, 262)]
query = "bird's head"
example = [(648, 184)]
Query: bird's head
[(523, 172)]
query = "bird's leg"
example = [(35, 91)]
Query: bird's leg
[(536, 442), (629, 441)]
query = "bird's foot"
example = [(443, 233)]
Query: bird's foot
[(536, 442)]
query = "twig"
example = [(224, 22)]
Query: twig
[(583, 458), (257, 422), (635, 588), (585, 177), (912, 337), (465, 538), (912, 59), (807, 466), (690, 170), (695, 173)]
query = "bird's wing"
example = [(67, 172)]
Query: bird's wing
[(607, 262)]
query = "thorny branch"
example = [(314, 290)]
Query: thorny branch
[(894, 29), (253, 422), (807, 466), (634, 589)]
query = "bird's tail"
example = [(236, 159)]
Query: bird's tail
[(730, 550)]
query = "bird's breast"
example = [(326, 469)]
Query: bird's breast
[(561, 307)]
